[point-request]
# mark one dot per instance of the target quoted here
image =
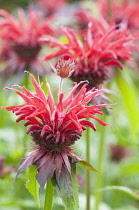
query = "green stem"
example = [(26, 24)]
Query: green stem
[(60, 85), (26, 83), (49, 196), (99, 177), (88, 181)]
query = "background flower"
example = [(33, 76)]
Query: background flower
[(51, 6), (97, 54), (122, 12), (21, 37)]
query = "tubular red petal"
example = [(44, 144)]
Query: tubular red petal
[(44, 129), (38, 89), (23, 96), (79, 97), (60, 107), (67, 101), (31, 122), (50, 98), (87, 123), (49, 136), (90, 95), (22, 117), (26, 108), (100, 121), (12, 108), (33, 127), (113, 63)]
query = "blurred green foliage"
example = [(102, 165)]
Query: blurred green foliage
[(10, 5)]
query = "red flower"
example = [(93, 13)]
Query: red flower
[(51, 6), (126, 12), (118, 153), (99, 50), (54, 127), (84, 17), (21, 37), (4, 51)]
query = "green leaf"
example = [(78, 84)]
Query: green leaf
[(131, 192), (67, 188), (88, 166), (32, 184), (129, 98)]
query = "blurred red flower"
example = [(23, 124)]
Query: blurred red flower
[(51, 6), (84, 17), (126, 12), (96, 54), (54, 127), (118, 153), (21, 37), (4, 169)]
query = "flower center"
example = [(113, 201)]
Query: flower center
[(95, 78), (54, 142), (26, 52)]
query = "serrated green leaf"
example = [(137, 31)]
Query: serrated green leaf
[(129, 98), (32, 184), (88, 166), (131, 192), (68, 188)]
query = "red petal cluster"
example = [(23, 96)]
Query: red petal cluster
[(126, 12), (21, 36), (51, 6), (99, 50), (54, 127), (42, 113), (84, 17)]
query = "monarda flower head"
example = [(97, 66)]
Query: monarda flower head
[(118, 153), (21, 37), (121, 12), (98, 53), (84, 17), (54, 127), (51, 6)]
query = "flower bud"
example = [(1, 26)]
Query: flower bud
[(65, 68)]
